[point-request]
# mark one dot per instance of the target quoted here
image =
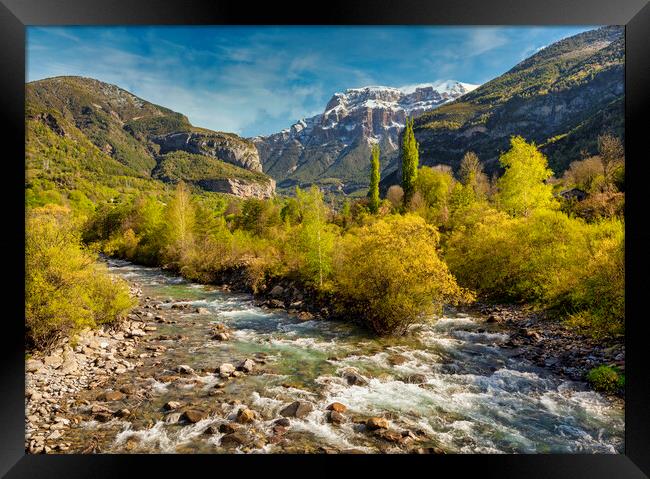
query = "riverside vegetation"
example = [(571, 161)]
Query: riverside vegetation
[(438, 239)]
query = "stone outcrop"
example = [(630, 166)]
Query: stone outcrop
[(239, 187), (222, 146)]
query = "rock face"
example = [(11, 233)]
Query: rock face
[(239, 187), (561, 98), (336, 143), (222, 146)]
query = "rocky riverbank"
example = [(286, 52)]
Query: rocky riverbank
[(545, 340), (83, 395)]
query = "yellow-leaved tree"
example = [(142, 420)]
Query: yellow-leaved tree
[(388, 274), (522, 189)]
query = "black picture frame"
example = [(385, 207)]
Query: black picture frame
[(15, 15)]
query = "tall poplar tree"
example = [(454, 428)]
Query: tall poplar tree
[(373, 191), (410, 159)]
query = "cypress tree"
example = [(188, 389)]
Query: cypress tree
[(373, 191), (410, 160)]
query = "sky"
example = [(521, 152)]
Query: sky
[(257, 80)]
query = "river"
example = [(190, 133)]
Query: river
[(448, 383)]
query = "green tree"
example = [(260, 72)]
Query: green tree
[(373, 191), (316, 238), (180, 218), (410, 159), (472, 176), (522, 189)]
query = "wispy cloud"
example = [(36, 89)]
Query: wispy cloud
[(257, 80)]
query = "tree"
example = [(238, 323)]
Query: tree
[(523, 188), (180, 219), (472, 176), (410, 159), (373, 191), (316, 238), (388, 274), (612, 155)]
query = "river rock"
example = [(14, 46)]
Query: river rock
[(375, 423), (396, 359), (283, 422), (226, 369), (122, 413), (335, 417), (235, 439), (305, 316), (245, 416), (33, 365), (275, 303), (354, 378), (111, 396), (229, 427), (416, 378), (173, 418), (185, 369), (337, 406), (298, 409), (277, 291), (390, 436), (247, 365), (172, 405), (210, 430), (202, 311), (193, 415)]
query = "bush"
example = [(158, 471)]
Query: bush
[(606, 379), (388, 274), (65, 289)]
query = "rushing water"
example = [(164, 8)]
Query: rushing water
[(472, 396)]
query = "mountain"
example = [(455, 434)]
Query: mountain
[(334, 146), (137, 138), (562, 98)]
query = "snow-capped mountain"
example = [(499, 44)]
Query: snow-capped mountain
[(336, 143)]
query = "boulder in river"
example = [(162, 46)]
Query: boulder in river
[(235, 439), (171, 405), (247, 366), (375, 423), (354, 378), (229, 427), (305, 316), (245, 416), (298, 409), (226, 369), (185, 369), (335, 417), (337, 406), (193, 415)]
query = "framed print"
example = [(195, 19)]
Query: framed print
[(378, 234)]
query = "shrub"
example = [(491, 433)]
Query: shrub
[(65, 289), (606, 379), (388, 274)]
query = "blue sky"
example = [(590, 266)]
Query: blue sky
[(255, 80)]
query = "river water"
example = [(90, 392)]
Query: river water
[(448, 382)]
